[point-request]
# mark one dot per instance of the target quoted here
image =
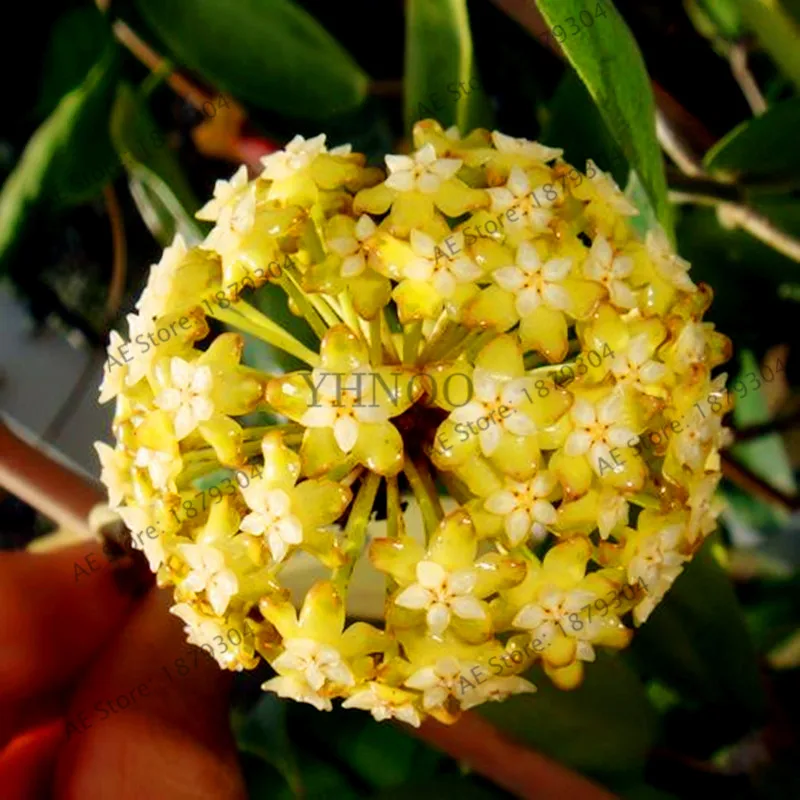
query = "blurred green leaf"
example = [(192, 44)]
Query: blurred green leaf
[(604, 727), (767, 455), (777, 33), (608, 61), (382, 756), (66, 160), (139, 140), (262, 733), (441, 79), (765, 145), (77, 42), (697, 642), (270, 53), (445, 786), (722, 17)]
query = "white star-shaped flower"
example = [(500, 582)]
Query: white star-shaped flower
[(206, 632), (115, 370), (609, 268), (154, 299), (340, 404), (535, 283), (115, 472), (316, 662), (188, 397), (351, 248), (498, 402), (608, 190), (597, 429), (524, 147), (422, 171), (272, 518), (551, 613), (297, 155), (162, 466), (439, 593), (634, 366), (208, 573), (496, 690), (225, 192), (295, 688), (656, 564), (438, 682), (533, 205), (523, 507), (434, 263), (669, 264), (384, 704)]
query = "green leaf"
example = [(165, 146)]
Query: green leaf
[(78, 40), (721, 17), (382, 756), (696, 640), (605, 727), (66, 160), (160, 209), (766, 456), (762, 146), (140, 142), (270, 53), (777, 33), (262, 733), (608, 61), (441, 80)]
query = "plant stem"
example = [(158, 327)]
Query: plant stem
[(395, 524), (412, 336), (355, 531), (252, 321), (301, 300), (388, 337), (428, 500), (375, 345)]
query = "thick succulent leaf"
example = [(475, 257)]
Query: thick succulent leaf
[(66, 161), (762, 146), (78, 40), (270, 53), (608, 60), (605, 727), (441, 79), (139, 142), (696, 640)]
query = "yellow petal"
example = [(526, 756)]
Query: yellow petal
[(545, 329)]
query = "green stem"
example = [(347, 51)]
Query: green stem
[(428, 500), (300, 298), (349, 313), (252, 321), (412, 336), (394, 514), (386, 332), (375, 346), (355, 532)]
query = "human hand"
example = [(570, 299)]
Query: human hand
[(69, 651)]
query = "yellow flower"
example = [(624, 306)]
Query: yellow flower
[(481, 321)]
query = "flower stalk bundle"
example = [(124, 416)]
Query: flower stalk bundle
[(496, 342)]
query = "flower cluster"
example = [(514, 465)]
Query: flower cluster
[(544, 519)]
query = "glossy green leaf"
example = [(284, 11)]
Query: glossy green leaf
[(766, 456), (696, 640), (66, 161), (138, 140), (78, 40), (777, 33), (441, 79), (607, 59), (762, 146), (270, 53), (605, 727)]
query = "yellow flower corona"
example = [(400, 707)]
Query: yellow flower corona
[(496, 345)]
